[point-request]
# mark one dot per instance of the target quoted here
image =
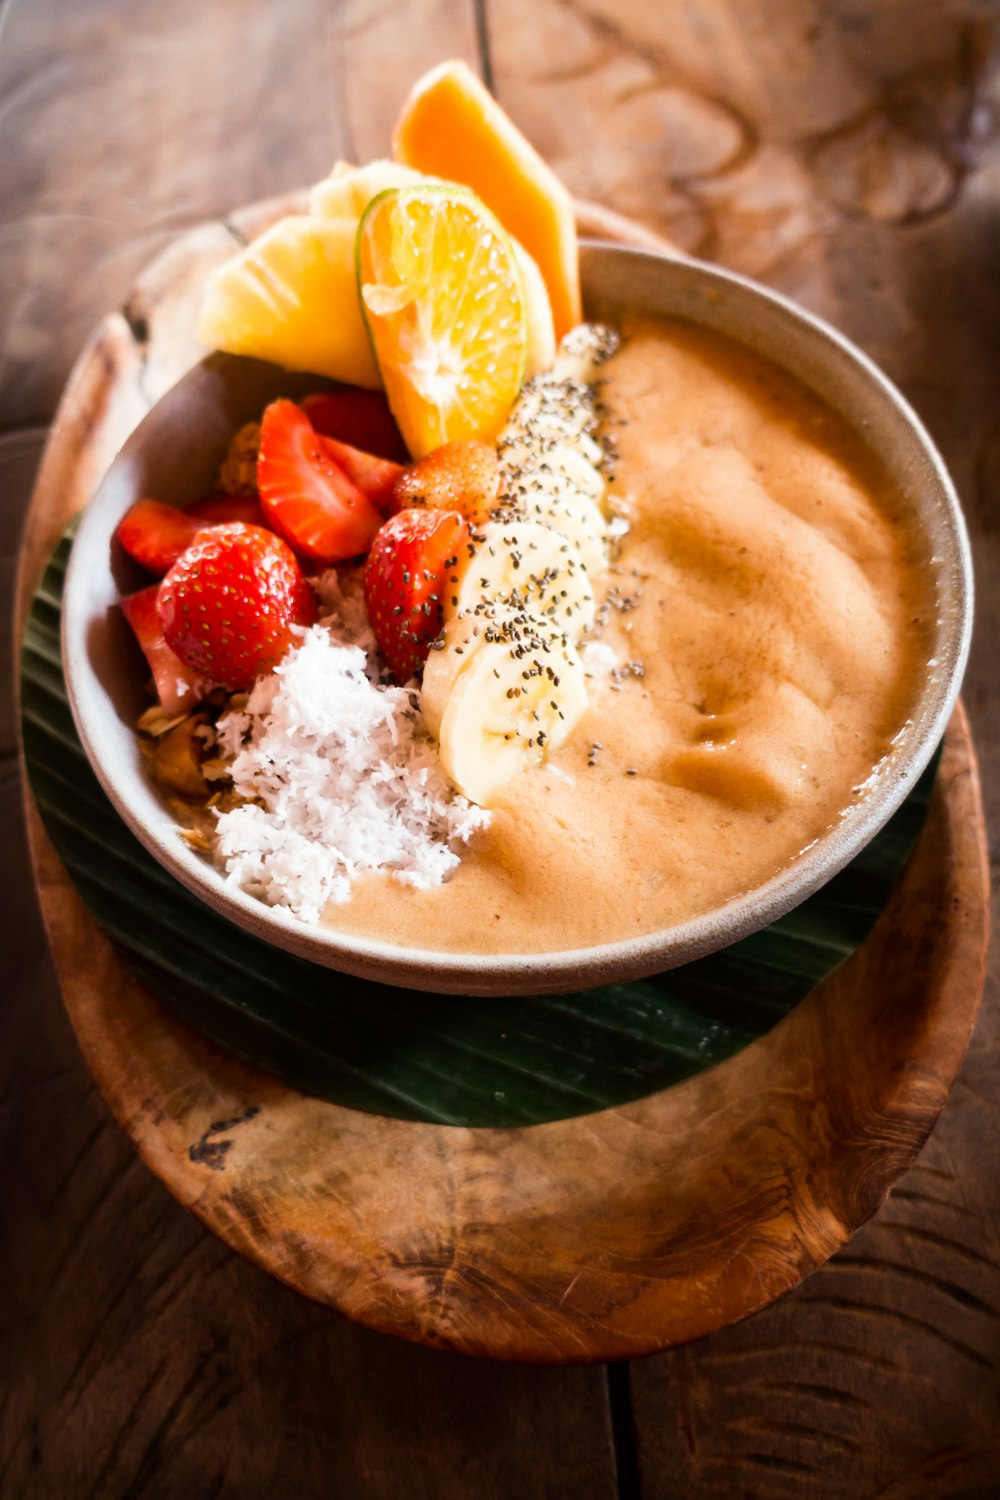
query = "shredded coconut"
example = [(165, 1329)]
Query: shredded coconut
[(340, 776), (599, 659)]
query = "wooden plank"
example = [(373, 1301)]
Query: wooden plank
[(138, 1355), (839, 153)]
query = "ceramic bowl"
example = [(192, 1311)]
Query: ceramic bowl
[(174, 454)]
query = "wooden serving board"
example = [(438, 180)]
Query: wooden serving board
[(596, 1238)]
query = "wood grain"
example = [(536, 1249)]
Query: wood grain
[(578, 1240), (574, 1241), (138, 1355), (756, 129), (849, 155)]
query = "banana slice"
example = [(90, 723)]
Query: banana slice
[(578, 519), (553, 500), (518, 692), (551, 410), (516, 442), (532, 564), (583, 350), (445, 660), (520, 457)]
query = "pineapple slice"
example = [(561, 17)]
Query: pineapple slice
[(348, 190), (291, 297)]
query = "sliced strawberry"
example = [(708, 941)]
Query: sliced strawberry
[(406, 577), (178, 687), (155, 535), (230, 604), (463, 476), (220, 509), (375, 477), (306, 496), (363, 418)]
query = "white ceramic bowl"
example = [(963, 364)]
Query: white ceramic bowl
[(174, 454)]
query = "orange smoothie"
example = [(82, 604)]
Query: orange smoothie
[(769, 616)]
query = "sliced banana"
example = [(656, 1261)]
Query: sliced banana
[(445, 661), (533, 562), (559, 503), (518, 692), (504, 685), (582, 352), (515, 442), (521, 457), (551, 410)]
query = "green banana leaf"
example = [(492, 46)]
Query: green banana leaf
[(451, 1060)]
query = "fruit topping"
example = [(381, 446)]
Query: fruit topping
[(527, 564), (452, 127), (348, 190), (360, 417), (374, 477), (541, 350), (552, 466), (411, 566), (307, 497), (221, 509), (444, 303), (291, 297), (457, 476), (231, 604), (178, 687), (505, 689), (155, 535)]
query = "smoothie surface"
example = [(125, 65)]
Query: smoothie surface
[(770, 614)]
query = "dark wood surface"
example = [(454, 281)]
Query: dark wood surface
[(846, 152)]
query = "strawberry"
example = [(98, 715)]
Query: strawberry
[(352, 415), (306, 496), (220, 508), (155, 535), (463, 476), (178, 688), (376, 477), (230, 604), (406, 576)]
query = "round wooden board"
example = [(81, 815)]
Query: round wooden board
[(596, 1238)]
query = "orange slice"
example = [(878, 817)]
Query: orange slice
[(452, 127), (444, 303), (347, 192)]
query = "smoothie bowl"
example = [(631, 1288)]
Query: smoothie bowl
[(774, 643)]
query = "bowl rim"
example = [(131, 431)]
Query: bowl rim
[(136, 800)]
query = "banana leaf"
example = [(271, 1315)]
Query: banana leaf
[(447, 1059)]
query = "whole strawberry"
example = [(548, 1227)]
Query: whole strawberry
[(462, 476), (229, 604), (410, 567)]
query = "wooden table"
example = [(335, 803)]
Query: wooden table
[(848, 153)]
